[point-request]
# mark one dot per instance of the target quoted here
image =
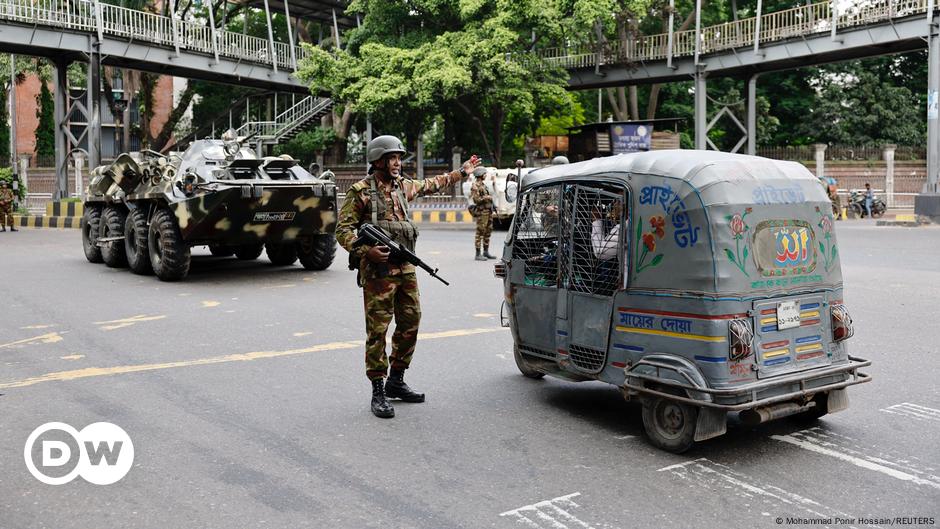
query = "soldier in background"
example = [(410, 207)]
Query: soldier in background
[(381, 199), (483, 203), (6, 207)]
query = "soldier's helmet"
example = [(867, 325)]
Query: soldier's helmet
[(560, 160), (383, 145), (479, 172)]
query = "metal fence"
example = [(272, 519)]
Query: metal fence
[(842, 152)]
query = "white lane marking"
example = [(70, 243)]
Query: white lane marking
[(914, 411), (127, 322), (554, 513), (624, 437), (716, 477), (52, 337), (820, 442), (208, 304)]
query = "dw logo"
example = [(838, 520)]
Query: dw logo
[(102, 453)]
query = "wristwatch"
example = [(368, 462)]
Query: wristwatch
[(463, 173)]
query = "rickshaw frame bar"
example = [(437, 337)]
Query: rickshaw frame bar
[(852, 367)]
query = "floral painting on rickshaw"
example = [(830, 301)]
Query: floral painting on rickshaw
[(827, 247), (646, 244), (739, 229)]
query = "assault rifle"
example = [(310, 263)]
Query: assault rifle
[(370, 235)]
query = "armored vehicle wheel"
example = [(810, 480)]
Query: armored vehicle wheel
[(91, 221), (112, 225), (524, 366), (135, 242), (169, 255), (220, 250), (317, 252), (281, 254), (669, 425), (248, 252)]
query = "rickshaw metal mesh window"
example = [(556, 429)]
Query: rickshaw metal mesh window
[(588, 359), (536, 237), (592, 260)]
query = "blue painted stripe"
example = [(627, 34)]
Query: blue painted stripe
[(717, 359), (776, 361), (632, 348), (807, 339), (767, 328), (562, 333), (711, 296), (809, 306)]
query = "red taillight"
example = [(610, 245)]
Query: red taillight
[(499, 270), (742, 336), (842, 328)]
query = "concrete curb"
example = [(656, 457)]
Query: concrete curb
[(41, 221)]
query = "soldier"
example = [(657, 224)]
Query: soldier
[(6, 207), (483, 202), (381, 198)]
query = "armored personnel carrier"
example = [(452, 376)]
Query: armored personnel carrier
[(146, 210)]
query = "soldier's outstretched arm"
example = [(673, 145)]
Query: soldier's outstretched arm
[(417, 188)]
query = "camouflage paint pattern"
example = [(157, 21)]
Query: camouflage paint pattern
[(384, 298), (225, 207), (395, 295), (483, 201), (6, 206)]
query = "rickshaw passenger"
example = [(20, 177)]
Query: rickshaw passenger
[(606, 247)]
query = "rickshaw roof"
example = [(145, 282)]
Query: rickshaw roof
[(697, 167)]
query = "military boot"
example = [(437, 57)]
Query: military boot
[(381, 407), (396, 388), (4, 228), (479, 257), (13, 228), (487, 254)]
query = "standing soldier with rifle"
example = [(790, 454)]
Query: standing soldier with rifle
[(6, 207), (389, 285), (483, 204)]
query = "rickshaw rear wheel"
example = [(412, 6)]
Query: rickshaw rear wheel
[(669, 425), (524, 366)]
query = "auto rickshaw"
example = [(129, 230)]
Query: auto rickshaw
[(698, 282)]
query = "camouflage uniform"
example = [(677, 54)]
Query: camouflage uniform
[(395, 295), (6, 207), (483, 201)]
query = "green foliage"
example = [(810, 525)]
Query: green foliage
[(6, 175), (305, 146), (45, 130)]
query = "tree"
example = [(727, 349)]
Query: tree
[(412, 61), (45, 130)]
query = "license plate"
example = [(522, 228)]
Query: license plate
[(788, 315)]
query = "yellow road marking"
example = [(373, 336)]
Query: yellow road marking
[(51, 337), (32, 327), (483, 315), (210, 304), (72, 357), (127, 322), (238, 357), (696, 337), (299, 334)]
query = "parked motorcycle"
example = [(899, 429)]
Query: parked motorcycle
[(857, 205)]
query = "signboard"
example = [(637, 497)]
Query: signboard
[(630, 138)]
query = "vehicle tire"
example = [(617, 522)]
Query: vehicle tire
[(248, 252), (91, 222), (669, 425), (169, 254), (835, 210), (135, 242), (317, 251), (858, 211), (112, 225), (877, 210), (281, 254), (220, 250), (524, 366)]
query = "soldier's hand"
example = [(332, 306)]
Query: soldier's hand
[(378, 254), (471, 164)]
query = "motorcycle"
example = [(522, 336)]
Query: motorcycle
[(857, 205)]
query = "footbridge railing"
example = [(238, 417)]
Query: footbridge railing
[(818, 18), (141, 26)]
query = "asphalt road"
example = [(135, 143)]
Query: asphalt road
[(243, 391)]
